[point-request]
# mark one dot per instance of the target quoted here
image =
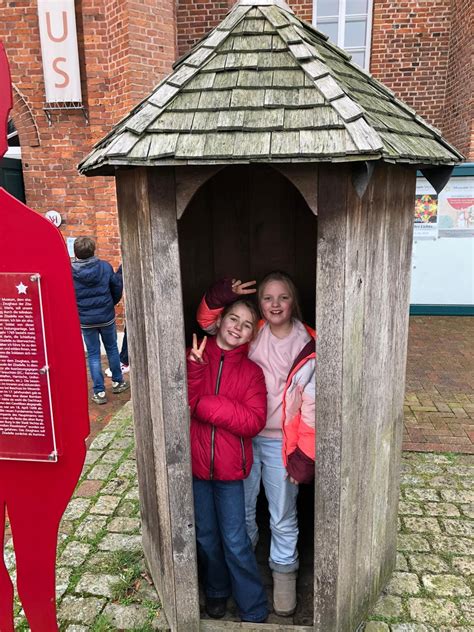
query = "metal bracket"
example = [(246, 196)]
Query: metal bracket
[(48, 108)]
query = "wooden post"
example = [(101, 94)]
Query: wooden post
[(147, 212), (363, 260)]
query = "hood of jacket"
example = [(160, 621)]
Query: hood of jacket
[(88, 272)]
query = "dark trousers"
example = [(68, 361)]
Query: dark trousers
[(226, 557), (124, 349)]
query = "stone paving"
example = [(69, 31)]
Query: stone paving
[(103, 584)]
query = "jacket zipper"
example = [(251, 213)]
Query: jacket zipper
[(244, 460), (213, 431)]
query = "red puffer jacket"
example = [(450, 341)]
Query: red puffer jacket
[(228, 402)]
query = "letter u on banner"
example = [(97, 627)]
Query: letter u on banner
[(57, 25)]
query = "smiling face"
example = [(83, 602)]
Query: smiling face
[(276, 303), (236, 327)]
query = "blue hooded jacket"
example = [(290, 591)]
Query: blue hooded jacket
[(98, 289)]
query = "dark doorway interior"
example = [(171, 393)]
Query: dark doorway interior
[(245, 222)]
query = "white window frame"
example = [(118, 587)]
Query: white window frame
[(341, 27)]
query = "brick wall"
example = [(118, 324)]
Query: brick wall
[(458, 122), (410, 52), (195, 19), (125, 47)]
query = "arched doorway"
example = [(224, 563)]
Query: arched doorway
[(11, 172), (244, 222)]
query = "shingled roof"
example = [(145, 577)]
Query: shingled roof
[(265, 86)]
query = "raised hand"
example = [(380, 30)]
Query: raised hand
[(243, 288), (197, 352)]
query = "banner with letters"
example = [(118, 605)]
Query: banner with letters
[(57, 25)]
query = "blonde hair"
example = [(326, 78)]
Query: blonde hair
[(277, 275)]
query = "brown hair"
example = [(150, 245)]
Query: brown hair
[(249, 305), (84, 247), (278, 275)]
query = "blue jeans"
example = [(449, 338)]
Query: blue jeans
[(227, 561), (92, 338), (281, 495)]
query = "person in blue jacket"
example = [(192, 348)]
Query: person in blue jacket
[(98, 289)]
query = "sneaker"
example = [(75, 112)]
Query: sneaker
[(125, 369), (120, 387), (99, 398)]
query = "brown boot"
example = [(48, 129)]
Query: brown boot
[(284, 593)]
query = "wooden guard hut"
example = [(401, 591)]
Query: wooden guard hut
[(267, 148)]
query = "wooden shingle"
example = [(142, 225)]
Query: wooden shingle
[(265, 85)]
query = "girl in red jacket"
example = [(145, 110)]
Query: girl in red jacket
[(227, 398), (284, 451)]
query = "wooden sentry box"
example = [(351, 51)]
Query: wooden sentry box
[(266, 106)]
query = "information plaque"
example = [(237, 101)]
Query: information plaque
[(26, 416)]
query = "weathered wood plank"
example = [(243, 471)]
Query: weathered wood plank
[(353, 430), (208, 625), (128, 184), (381, 482), (169, 391), (401, 248), (188, 181), (372, 404), (305, 179), (331, 253)]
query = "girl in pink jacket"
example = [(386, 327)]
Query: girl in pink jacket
[(227, 399), (284, 450)]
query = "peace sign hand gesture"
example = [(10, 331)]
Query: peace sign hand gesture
[(243, 288), (196, 353)]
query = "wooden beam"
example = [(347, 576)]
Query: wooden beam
[(330, 269), (188, 181), (169, 395), (364, 249), (128, 184), (305, 178), (150, 247)]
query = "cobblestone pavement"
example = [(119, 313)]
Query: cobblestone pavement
[(103, 585), (101, 414), (439, 401)]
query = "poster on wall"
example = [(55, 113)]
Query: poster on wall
[(443, 245), (456, 208), (426, 212)]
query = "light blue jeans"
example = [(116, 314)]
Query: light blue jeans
[(281, 495)]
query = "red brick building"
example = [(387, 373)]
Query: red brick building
[(420, 49)]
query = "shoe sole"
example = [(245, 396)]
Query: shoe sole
[(215, 616), (282, 613), (100, 402), (120, 390)]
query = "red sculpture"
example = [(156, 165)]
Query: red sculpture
[(34, 494)]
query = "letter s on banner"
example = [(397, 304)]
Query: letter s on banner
[(64, 74), (57, 24)]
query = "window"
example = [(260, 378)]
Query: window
[(347, 23)]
